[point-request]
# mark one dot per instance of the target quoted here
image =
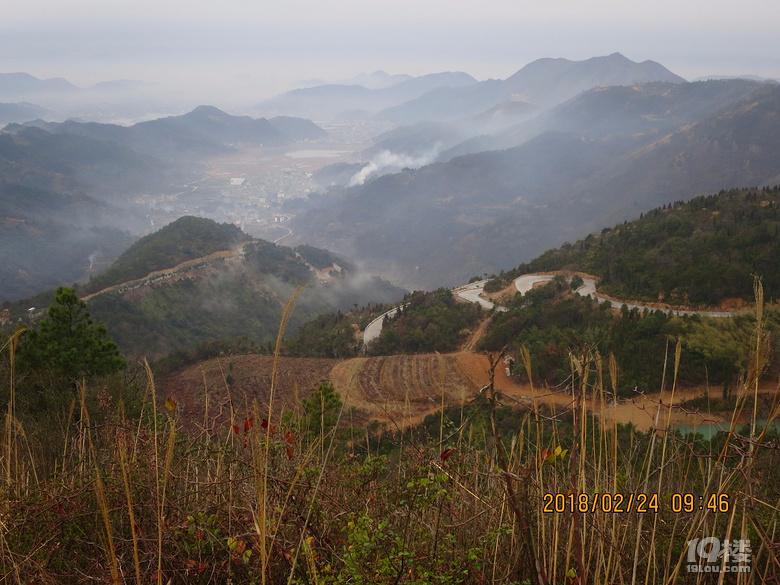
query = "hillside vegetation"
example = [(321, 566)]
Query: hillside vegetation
[(549, 321), (187, 286), (332, 335), (697, 253), (239, 297), (427, 323), (568, 176), (187, 238)]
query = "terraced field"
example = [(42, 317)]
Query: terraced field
[(402, 388), (398, 390)]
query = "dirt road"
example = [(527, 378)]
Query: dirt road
[(165, 273)]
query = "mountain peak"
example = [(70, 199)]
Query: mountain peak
[(208, 111), (14, 83), (551, 81)]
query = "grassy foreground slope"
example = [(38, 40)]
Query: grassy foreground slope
[(243, 473), (478, 494)]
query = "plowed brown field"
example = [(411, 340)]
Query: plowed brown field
[(204, 386), (401, 389), (398, 390)]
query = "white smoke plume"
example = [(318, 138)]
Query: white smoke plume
[(387, 162)]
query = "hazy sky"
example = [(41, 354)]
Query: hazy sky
[(252, 49)]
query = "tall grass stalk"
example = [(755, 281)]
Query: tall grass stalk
[(124, 465), (262, 519), (282, 502), (667, 427), (159, 492), (11, 453), (100, 491)]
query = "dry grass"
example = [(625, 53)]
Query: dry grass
[(262, 498)]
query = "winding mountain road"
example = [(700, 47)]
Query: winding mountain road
[(374, 329), (471, 292), (525, 283)]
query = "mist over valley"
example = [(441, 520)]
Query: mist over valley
[(424, 180), (402, 292)]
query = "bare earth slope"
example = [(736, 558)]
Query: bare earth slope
[(396, 390)]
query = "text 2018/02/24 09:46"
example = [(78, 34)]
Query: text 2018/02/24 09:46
[(624, 503)]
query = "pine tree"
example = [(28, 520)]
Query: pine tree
[(69, 342)]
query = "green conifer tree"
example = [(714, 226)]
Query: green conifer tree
[(68, 342)]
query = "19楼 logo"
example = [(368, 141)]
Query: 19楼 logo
[(709, 555)]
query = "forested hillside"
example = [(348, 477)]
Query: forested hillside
[(240, 296), (426, 323), (596, 162), (552, 321), (189, 284), (186, 238), (697, 253)]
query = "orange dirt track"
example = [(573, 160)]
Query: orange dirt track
[(397, 390)]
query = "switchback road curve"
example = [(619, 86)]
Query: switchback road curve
[(471, 292)]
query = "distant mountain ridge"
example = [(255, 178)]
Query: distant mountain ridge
[(72, 162), (476, 212), (19, 112), (113, 101), (23, 85), (649, 109), (204, 130), (544, 83), (552, 81), (20, 83), (211, 121), (376, 80), (336, 99), (498, 114)]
